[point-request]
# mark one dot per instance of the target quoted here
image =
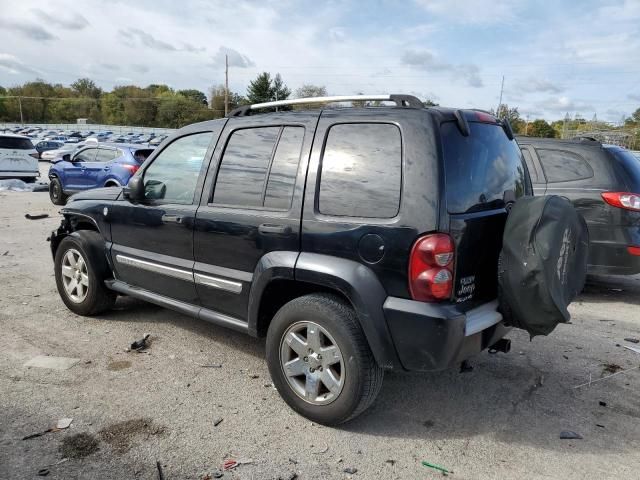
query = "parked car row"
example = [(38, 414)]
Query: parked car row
[(43, 137)]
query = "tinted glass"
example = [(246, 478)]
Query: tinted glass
[(530, 165), (141, 155), (173, 175), (482, 168), (105, 155), (361, 171), (87, 155), (244, 167), (16, 143), (631, 166), (282, 176), (563, 166)]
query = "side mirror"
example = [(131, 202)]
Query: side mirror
[(134, 191), (66, 157)]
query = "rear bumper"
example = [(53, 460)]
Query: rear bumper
[(19, 173), (610, 255), (430, 337)]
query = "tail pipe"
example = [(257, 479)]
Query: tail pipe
[(503, 345)]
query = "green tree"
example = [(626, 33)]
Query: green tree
[(540, 128), (195, 95), (266, 89), (85, 87), (430, 103), (513, 116)]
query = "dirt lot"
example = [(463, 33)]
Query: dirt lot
[(502, 420)]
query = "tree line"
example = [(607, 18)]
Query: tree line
[(158, 105)]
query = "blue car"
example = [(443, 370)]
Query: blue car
[(94, 166)]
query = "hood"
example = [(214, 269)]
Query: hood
[(108, 193)]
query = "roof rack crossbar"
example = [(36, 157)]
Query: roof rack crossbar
[(400, 100)]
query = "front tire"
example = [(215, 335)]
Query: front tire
[(56, 194), (320, 361), (80, 272)]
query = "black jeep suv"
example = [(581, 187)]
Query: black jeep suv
[(355, 239), (603, 183)]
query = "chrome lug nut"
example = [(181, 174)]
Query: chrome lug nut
[(306, 359)]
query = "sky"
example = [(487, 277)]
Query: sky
[(557, 57)]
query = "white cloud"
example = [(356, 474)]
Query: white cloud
[(485, 12), (235, 58), (426, 60)]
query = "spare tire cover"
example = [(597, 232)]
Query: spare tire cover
[(543, 263)]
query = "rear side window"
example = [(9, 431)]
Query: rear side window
[(361, 173), (16, 143), (563, 166), (254, 172), (483, 169), (631, 166)]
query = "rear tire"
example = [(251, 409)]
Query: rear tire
[(56, 194), (80, 270), (324, 324)]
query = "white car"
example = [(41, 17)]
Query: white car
[(18, 158), (57, 154)]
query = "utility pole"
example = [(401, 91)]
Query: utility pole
[(500, 102), (20, 105), (226, 85)]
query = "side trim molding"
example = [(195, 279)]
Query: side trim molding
[(155, 267), (219, 283)]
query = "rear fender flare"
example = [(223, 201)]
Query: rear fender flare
[(360, 285)]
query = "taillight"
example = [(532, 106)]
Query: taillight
[(629, 201), (634, 251), (132, 168), (431, 268)]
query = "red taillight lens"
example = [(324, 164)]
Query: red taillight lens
[(629, 201), (485, 117), (634, 251), (431, 267), (132, 168)]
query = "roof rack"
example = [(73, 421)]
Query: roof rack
[(400, 100)]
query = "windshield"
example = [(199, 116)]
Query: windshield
[(482, 170), (16, 143)]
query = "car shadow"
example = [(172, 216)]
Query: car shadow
[(129, 309), (524, 397), (610, 288)]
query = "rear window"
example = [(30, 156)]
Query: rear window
[(16, 143), (142, 154), (481, 170), (631, 166)]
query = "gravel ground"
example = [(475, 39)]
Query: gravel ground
[(131, 410)]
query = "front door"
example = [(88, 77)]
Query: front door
[(254, 208), (75, 171), (153, 240)]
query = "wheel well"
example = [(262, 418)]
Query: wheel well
[(111, 183), (280, 292)]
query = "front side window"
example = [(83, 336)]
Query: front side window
[(105, 155), (361, 172), (86, 155), (173, 175), (563, 166)]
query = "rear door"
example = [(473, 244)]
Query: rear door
[(251, 205), (484, 174)]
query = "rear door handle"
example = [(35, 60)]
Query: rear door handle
[(172, 218), (269, 228)]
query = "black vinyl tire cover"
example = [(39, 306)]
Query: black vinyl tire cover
[(543, 263)]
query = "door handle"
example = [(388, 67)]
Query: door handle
[(107, 168), (268, 228), (172, 218)]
